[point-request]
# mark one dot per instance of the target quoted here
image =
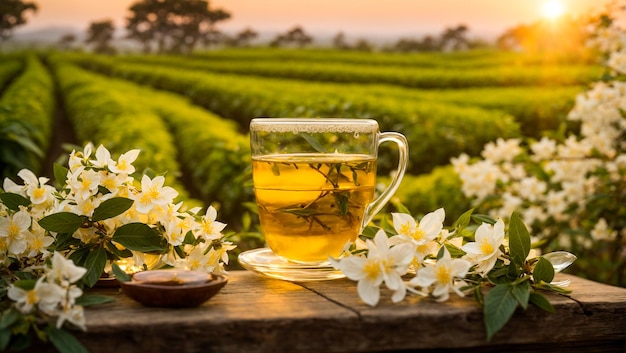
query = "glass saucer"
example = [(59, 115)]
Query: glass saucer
[(265, 262)]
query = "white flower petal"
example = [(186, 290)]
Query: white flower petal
[(368, 292)]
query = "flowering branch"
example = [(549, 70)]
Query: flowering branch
[(464, 259), (101, 221)]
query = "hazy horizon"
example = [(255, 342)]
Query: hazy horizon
[(355, 18)]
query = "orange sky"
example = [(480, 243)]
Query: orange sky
[(354, 17)]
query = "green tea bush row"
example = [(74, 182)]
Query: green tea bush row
[(424, 193), (415, 77), (436, 131), (536, 108), (27, 110), (467, 59), (204, 149), (212, 151), (103, 114), (9, 69)]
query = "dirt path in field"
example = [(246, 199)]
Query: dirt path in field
[(62, 133)]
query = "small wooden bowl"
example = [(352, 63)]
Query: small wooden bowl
[(173, 288)]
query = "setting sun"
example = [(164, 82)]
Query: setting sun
[(552, 9)]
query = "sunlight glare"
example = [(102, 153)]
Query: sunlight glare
[(552, 9)]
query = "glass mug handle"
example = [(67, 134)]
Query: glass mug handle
[(403, 158)]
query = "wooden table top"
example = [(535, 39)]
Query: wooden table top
[(253, 313)]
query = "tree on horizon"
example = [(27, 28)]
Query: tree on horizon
[(12, 15), (175, 26), (295, 36), (100, 34)]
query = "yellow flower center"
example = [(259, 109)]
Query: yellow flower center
[(194, 264), (37, 243), (371, 269), (31, 297), (443, 274), (14, 230), (109, 184), (85, 183), (486, 247), (207, 227), (416, 234), (38, 193)]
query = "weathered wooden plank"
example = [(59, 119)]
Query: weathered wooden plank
[(594, 313), (258, 314)]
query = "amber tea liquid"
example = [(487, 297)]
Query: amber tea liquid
[(312, 205)]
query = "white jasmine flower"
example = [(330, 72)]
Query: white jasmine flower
[(153, 193), (103, 157), (84, 183), (14, 229), (544, 149), (445, 275), (601, 231), (208, 228), (502, 150), (201, 258), (617, 61), (175, 231), (420, 235), (382, 264), (114, 183), (484, 252), (38, 240), (10, 186), (532, 188), (480, 179), (72, 313), (64, 271), (36, 188), (45, 296), (124, 163)]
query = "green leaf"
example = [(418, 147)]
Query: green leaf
[(313, 142), (342, 198), (79, 256), (60, 174), (120, 275), (463, 220), (20, 342), (543, 271), (481, 218), (62, 222), (95, 263), (541, 301), (189, 238), (93, 299), (5, 339), (519, 240), (64, 341), (553, 288), (13, 201), (111, 208), (455, 252), (521, 292), (7, 319), (140, 237), (500, 304), (124, 253), (401, 208), (25, 284), (64, 241)]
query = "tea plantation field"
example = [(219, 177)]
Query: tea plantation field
[(189, 115)]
